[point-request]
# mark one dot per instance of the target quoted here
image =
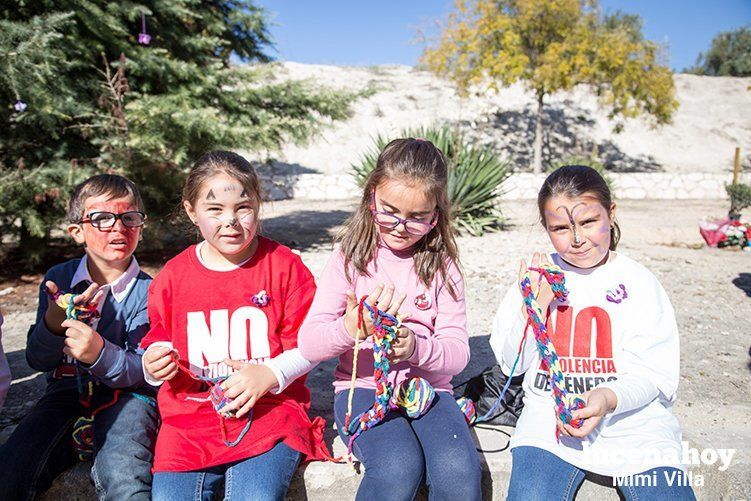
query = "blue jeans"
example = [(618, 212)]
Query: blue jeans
[(537, 474), (40, 448), (262, 477), (400, 451)]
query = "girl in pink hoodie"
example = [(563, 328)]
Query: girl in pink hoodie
[(398, 249)]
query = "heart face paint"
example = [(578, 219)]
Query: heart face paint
[(227, 219), (579, 229)]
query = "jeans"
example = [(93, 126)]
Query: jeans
[(262, 477), (537, 474), (40, 448), (399, 452)]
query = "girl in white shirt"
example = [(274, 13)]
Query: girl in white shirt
[(617, 341)]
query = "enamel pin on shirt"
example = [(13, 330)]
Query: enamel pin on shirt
[(261, 299), (422, 302)]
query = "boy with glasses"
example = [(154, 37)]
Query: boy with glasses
[(96, 397)]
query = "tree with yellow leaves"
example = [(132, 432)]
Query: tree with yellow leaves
[(554, 45)]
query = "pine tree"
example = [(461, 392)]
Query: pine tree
[(138, 88)]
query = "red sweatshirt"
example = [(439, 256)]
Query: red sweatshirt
[(209, 316)]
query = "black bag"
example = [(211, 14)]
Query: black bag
[(484, 390)]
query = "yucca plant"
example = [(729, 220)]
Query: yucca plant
[(474, 180)]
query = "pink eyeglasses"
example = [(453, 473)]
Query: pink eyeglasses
[(390, 221)]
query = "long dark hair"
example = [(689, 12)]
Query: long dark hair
[(573, 181), (419, 163)]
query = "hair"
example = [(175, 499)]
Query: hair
[(218, 162), (573, 181), (103, 184), (418, 163)]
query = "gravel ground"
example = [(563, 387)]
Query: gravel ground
[(710, 290)]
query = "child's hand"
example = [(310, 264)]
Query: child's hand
[(247, 385), (379, 297), (82, 342), (544, 295), (404, 345), (160, 362), (599, 402), (54, 316)]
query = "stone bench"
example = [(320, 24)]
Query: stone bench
[(324, 481)]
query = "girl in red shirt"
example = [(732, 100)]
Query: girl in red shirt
[(229, 306)]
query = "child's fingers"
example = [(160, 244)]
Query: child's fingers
[(97, 297), (585, 412), (166, 372), (86, 295), (170, 375), (161, 363), (522, 269), (234, 364), (246, 407), (70, 323), (384, 302), (153, 353), (238, 397), (399, 354), (51, 287), (394, 309), (536, 260), (561, 427), (586, 428), (374, 295)]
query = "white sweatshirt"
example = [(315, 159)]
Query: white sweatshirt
[(628, 344)]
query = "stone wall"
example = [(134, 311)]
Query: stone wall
[(698, 185)]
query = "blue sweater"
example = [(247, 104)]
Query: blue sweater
[(122, 324)]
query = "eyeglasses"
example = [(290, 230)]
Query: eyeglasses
[(390, 221), (104, 220)]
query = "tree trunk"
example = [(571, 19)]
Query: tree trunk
[(537, 161)]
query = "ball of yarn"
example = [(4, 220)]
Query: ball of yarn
[(82, 312), (414, 396), (467, 406)]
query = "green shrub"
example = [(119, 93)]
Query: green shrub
[(474, 182), (740, 198)]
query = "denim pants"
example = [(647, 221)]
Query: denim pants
[(400, 452), (537, 474), (40, 448), (266, 476)]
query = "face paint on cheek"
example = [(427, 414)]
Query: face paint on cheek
[(248, 221), (227, 220)]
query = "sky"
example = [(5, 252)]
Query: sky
[(364, 33)]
